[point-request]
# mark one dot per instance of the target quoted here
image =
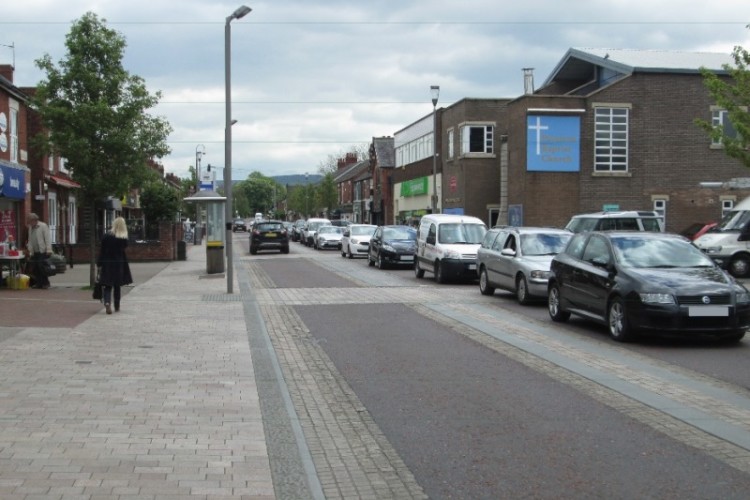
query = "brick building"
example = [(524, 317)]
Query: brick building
[(615, 129)]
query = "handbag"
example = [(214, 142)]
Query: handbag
[(97, 293), (48, 267)]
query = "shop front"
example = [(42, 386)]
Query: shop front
[(12, 202)]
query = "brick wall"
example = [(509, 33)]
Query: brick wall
[(163, 249)]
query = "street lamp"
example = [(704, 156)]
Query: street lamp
[(200, 150), (307, 195), (435, 91), (241, 12)]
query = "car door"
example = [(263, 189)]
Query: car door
[(375, 243), (489, 252), (566, 268), (595, 278)]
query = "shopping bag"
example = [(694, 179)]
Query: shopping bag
[(97, 292), (48, 267)]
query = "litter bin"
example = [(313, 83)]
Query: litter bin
[(181, 250)]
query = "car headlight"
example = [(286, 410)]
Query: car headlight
[(354, 241), (743, 297), (389, 248), (710, 250), (539, 275), (657, 298)]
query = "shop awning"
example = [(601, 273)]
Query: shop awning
[(62, 181)]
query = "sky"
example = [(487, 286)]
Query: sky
[(312, 79)]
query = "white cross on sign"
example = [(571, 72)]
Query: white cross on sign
[(538, 128)]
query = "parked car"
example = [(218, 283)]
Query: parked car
[(728, 243), (310, 228), (289, 226), (628, 220), (518, 259), (268, 235), (697, 229), (637, 282), (356, 240), (328, 237), (447, 246), (392, 246), (239, 225), (299, 225)]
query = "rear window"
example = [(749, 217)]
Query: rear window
[(269, 226)]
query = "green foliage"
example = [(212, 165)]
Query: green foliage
[(732, 95), (257, 193), (159, 202), (94, 111), (328, 195)]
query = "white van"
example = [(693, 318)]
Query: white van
[(728, 243), (447, 246)]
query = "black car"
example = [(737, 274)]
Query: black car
[(646, 282), (392, 246), (296, 235), (269, 235), (239, 225)]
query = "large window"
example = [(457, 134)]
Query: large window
[(720, 118), (477, 138), (450, 143), (13, 131), (611, 139)]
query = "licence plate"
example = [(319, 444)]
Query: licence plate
[(472, 266), (704, 311), (406, 257), (271, 235)]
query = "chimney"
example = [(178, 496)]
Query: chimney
[(528, 81), (6, 71)]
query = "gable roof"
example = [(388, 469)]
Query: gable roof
[(577, 63), (351, 171)]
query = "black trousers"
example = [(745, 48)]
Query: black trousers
[(107, 295), (40, 277)]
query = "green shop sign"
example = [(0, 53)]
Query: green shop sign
[(414, 187)]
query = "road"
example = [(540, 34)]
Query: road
[(399, 387)]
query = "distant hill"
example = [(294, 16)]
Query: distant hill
[(289, 180)]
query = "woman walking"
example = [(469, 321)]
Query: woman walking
[(114, 270)]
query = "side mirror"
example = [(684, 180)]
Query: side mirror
[(508, 252)]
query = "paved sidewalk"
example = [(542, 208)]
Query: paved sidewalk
[(156, 401)]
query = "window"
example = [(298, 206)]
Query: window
[(477, 139), (726, 207), (450, 144), (611, 139), (63, 165), (13, 131), (660, 207), (720, 119), (596, 251)]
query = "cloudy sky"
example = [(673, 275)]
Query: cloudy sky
[(311, 79)]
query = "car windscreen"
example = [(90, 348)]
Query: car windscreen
[(544, 244), (398, 233), (734, 221), (632, 251), (330, 230), (461, 233), (581, 224), (362, 230)]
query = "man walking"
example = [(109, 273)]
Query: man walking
[(39, 248)]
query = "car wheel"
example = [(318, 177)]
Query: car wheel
[(617, 321), (381, 261), (285, 250), (484, 283), (522, 290), (440, 276), (418, 271), (554, 305), (370, 262), (739, 267)]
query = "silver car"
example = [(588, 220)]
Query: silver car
[(518, 259), (328, 237), (356, 240)]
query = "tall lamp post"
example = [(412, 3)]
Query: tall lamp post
[(241, 12), (307, 196), (435, 91), (200, 150)]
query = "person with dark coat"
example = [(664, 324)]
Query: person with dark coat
[(114, 270)]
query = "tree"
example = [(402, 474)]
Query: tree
[(732, 95), (159, 202), (328, 195), (94, 113)]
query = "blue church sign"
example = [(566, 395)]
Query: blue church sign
[(553, 143)]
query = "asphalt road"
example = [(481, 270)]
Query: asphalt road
[(473, 412)]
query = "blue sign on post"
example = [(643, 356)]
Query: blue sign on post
[(553, 143), (12, 183)]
